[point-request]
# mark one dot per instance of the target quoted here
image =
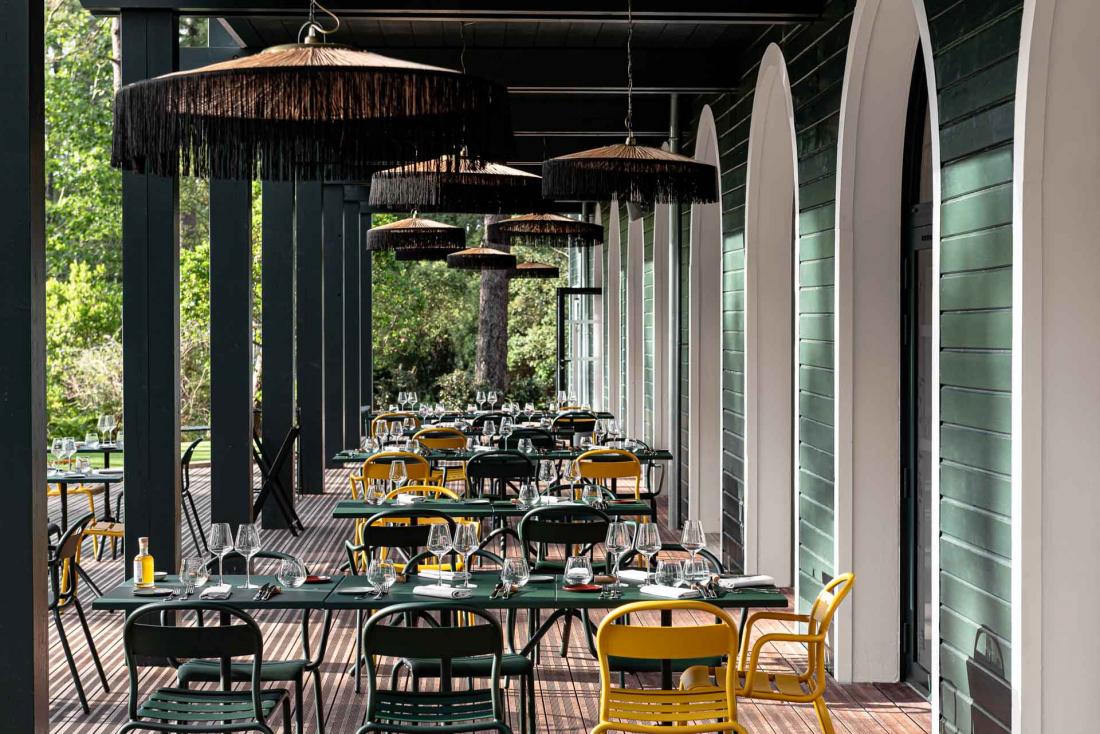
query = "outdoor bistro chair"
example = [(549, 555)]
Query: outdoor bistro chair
[(63, 570), (541, 439), (608, 466), (492, 473), (573, 423), (394, 417), (451, 649), (807, 686), (243, 709), (480, 419), (707, 708), (377, 469), (444, 438), (271, 671)]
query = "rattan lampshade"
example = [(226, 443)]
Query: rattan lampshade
[(481, 258), (415, 232), (449, 184), (306, 111), (629, 172), (535, 270), (546, 229)]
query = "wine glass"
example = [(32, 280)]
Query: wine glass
[(408, 424), (529, 410), (110, 425), (692, 538), (439, 545), (546, 472), (620, 539), (669, 573), (221, 545), (493, 398), (563, 396), (514, 573), (413, 398), (488, 428), (397, 431), (101, 424), (601, 430), (291, 573), (647, 541), (398, 475), (578, 570), (506, 430), (480, 398), (402, 398), (69, 447), (57, 448), (248, 545), (465, 543)]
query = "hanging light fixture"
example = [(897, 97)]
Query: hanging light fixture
[(535, 270), (455, 184), (308, 110), (417, 239), (546, 229), (628, 171), (481, 258)]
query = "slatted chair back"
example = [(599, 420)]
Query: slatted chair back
[(377, 467), (665, 710), (541, 439), (498, 469), (394, 529), (442, 437), (472, 709), (63, 560), (143, 637), (575, 421), (386, 419), (575, 529), (480, 419)]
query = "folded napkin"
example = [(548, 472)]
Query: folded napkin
[(741, 582), (434, 573), (443, 592), (670, 592), (633, 576), (217, 591), (409, 499)]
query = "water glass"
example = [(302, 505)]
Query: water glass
[(696, 571), (526, 445), (375, 494), (578, 570), (514, 573), (528, 496), (291, 573), (91, 440), (381, 575), (591, 495), (83, 466), (669, 573), (193, 574), (248, 545), (692, 538), (221, 545), (439, 545)]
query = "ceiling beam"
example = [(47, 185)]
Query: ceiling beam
[(510, 11)]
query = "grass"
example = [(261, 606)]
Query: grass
[(202, 453)]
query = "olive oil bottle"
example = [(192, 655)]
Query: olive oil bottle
[(143, 566)]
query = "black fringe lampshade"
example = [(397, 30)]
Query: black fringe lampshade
[(306, 111), (414, 232), (535, 270), (450, 184), (546, 229), (481, 258), (629, 172)]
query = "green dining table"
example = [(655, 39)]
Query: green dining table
[(358, 456), (360, 509)]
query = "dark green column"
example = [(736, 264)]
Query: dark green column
[(311, 343), (366, 315), (332, 233), (351, 324)]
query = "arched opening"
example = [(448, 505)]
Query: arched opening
[(1055, 349), (705, 338), (871, 197), (769, 324)]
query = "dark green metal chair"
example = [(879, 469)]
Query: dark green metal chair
[(445, 711), (199, 710)]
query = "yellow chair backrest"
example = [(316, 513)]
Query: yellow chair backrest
[(431, 491), (442, 437), (377, 467), (623, 709), (602, 464), (388, 418)]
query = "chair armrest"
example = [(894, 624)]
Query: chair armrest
[(746, 633), (759, 645)]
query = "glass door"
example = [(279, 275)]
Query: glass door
[(577, 342)]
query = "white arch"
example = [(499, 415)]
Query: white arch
[(769, 323), (881, 49), (705, 339), (612, 284), (1055, 349)]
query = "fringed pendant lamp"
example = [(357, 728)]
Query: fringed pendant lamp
[(546, 229), (456, 184), (481, 258), (628, 171), (417, 239), (306, 111), (535, 270)]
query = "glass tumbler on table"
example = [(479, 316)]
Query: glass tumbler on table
[(669, 573), (292, 573), (578, 570)]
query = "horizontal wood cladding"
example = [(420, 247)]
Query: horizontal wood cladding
[(975, 48)]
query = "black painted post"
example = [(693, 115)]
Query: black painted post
[(150, 314), (311, 342), (277, 352), (366, 316), (25, 663), (230, 351), (351, 324), (332, 232)]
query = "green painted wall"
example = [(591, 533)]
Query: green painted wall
[(624, 345), (649, 346)]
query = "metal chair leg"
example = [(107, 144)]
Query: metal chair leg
[(72, 663), (91, 643), (299, 705), (320, 702), (358, 648)]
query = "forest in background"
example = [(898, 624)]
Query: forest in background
[(425, 315)]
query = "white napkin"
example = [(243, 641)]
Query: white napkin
[(443, 592), (406, 498), (217, 591), (432, 573), (670, 592), (745, 581), (633, 576)]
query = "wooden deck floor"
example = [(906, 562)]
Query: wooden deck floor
[(566, 687)]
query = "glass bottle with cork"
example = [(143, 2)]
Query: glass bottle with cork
[(143, 566)]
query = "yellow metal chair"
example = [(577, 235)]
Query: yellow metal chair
[(444, 437), (88, 492), (603, 465), (377, 469), (395, 417), (705, 708), (807, 686)]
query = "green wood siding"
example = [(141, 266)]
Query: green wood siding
[(624, 344), (649, 346), (975, 47), (685, 349)]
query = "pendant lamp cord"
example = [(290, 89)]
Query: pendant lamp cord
[(313, 27), (629, 73), (462, 54)]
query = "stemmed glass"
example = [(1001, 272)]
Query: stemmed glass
[(480, 397), (506, 430), (398, 475), (529, 410), (692, 538), (110, 425), (57, 448), (101, 424), (492, 398), (465, 543), (248, 545), (413, 398), (439, 545), (546, 472), (221, 545), (620, 539), (69, 449), (488, 428), (647, 541), (601, 430), (402, 398), (563, 396)]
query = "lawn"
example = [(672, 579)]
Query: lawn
[(202, 454)]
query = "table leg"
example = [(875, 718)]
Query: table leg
[(666, 665), (106, 459), (64, 488)]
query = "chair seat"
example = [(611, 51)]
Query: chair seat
[(765, 684), (108, 529), (649, 665), (54, 490), (413, 710), (475, 667), (271, 671), (182, 705)]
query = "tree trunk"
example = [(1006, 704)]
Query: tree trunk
[(491, 366)]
